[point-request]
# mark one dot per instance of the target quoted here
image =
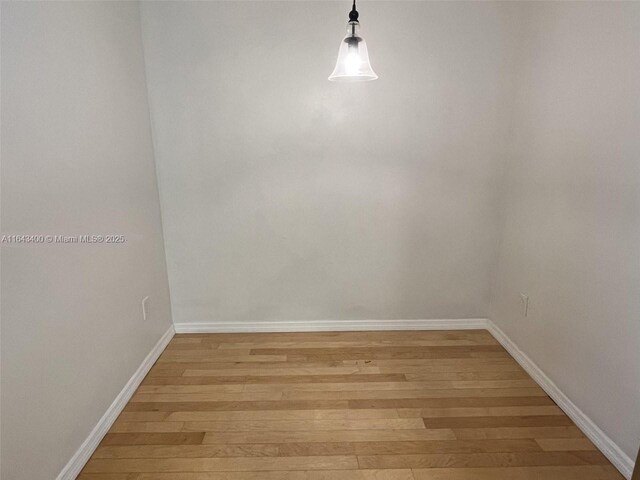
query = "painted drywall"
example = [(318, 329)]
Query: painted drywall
[(571, 235), (77, 159), (289, 197)]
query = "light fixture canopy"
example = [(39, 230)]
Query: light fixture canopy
[(353, 57)]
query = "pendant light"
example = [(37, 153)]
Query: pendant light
[(353, 58)]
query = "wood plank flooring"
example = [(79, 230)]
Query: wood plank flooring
[(432, 405)]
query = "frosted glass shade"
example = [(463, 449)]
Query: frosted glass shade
[(353, 58)]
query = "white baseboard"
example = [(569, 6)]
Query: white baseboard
[(333, 325), (82, 455), (607, 446)]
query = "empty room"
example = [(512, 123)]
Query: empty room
[(319, 240)]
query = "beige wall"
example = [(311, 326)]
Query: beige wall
[(288, 197), (571, 238), (76, 159)]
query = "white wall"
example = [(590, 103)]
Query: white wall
[(572, 226), (289, 197), (76, 159), (286, 196)]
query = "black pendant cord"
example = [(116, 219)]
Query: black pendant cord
[(353, 14)]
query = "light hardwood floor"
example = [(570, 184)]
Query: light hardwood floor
[(432, 405)]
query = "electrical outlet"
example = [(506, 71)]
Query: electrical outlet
[(524, 304), (144, 307)]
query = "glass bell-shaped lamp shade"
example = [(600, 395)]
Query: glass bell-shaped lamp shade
[(353, 58)]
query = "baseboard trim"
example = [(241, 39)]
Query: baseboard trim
[(607, 446), (333, 325), (82, 455)]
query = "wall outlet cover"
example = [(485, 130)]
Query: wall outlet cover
[(524, 304)]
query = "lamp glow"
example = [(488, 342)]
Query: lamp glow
[(353, 57)]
